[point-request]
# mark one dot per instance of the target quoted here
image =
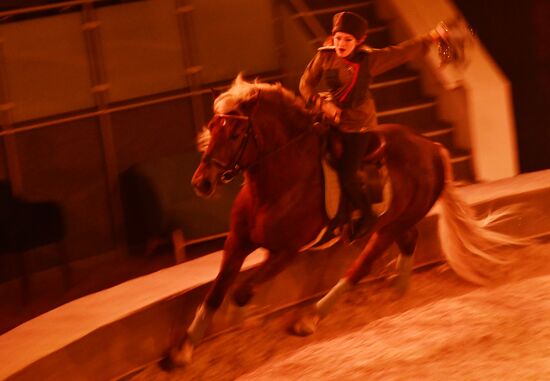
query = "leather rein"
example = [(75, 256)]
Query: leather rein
[(233, 167)]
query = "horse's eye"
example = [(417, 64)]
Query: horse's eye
[(224, 122)]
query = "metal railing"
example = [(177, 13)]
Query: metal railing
[(103, 107), (91, 29)]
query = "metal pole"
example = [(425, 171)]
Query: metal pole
[(130, 106), (100, 89), (192, 69), (6, 122)]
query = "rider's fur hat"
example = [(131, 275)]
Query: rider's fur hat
[(351, 23)]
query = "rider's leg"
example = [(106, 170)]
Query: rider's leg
[(354, 146)]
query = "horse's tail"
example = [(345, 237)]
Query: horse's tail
[(466, 238)]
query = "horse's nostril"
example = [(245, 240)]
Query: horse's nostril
[(204, 187)]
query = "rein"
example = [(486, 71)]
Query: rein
[(233, 169), (286, 145)]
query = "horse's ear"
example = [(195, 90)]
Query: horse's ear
[(247, 106)]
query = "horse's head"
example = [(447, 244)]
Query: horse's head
[(229, 141), (251, 121)]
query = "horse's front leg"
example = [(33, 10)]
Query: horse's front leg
[(235, 251), (375, 247), (276, 262), (407, 245)]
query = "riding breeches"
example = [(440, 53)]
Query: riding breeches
[(354, 147)]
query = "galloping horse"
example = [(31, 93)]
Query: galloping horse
[(265, 131)]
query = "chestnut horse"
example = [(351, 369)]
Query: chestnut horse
[(265, 131)]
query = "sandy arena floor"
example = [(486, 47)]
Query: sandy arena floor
[(442, 329)]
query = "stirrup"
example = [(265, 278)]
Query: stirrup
[(335, 229)]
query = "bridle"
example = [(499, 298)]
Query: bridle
[(233, 167)]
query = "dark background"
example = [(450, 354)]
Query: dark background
[(517, 35)]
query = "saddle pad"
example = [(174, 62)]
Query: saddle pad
[(381, 207), (332, 190)]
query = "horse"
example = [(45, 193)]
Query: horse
[(265, 131)]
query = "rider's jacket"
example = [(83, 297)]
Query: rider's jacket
[(348, 79)]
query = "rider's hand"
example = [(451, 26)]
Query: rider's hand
[(331, 111)]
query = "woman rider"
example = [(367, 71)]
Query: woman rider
[(347, 67)]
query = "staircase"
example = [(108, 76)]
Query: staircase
[(397, 93)]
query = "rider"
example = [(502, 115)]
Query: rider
[(347, 67)]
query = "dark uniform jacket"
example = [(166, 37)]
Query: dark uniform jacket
[(347, 79)]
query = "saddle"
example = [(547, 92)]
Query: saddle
[(373, 179)]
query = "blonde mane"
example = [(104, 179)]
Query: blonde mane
[(242, 91)]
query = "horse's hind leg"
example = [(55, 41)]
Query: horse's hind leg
[(233, 257), (407, 244), (376, 246)]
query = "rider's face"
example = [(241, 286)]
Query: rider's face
[(344, 43)]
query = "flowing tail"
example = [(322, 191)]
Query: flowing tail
[(466, 239)]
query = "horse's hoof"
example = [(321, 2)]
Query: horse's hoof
[(401, 287), (305, 326), (183, 356), (399, 284)]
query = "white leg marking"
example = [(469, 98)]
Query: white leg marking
[(182, 356), (327, 302), (200, 323), (404, 269)]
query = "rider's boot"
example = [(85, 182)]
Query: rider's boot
[(335, 226)]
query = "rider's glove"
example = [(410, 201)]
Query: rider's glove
[(331, 111)]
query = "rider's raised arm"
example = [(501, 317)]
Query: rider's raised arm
[(382, 60)]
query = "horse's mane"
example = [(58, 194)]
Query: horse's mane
[(242, 91)]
